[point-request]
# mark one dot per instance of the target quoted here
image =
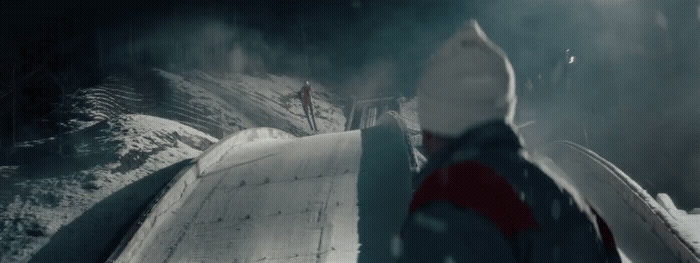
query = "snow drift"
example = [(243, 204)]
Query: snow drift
[(111, 159), (50, 193)]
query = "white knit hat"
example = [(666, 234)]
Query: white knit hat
[(467, 82)]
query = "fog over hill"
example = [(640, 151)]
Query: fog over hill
[(627, 87), (112, 159), (96, 96)]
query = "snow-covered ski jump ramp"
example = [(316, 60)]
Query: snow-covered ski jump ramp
[(263, 195), (645, 229)]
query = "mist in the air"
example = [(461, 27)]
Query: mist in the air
[(618, 76), (628, 87)]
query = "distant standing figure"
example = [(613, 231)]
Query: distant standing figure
[(305, 97), (479, 198)]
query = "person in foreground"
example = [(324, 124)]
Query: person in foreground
[(479, 199)]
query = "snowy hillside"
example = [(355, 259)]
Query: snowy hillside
[(233, 102), (113, 159), (114, 97), (49, 192), (217, 104)]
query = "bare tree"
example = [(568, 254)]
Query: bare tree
[(61, 85), (65, 80), (15, 85)]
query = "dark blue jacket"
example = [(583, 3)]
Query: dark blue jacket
[(481, 200)]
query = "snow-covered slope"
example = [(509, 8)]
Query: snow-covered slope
[(217, 104), (112, 170), (109, 148), (233, 102), (114, 97), (645, 229), (114, 159), (309, 199)]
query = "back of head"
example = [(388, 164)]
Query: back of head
[(468, 81)]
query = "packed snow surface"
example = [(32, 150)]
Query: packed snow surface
[(273, 200), (261, 195), (49, 192)]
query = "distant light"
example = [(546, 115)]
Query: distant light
[(571, 59)]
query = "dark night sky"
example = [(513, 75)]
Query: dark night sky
[(632, 94), (340, 38)]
